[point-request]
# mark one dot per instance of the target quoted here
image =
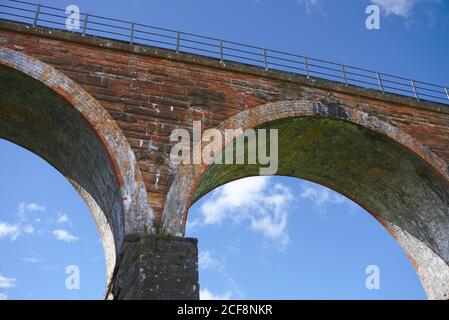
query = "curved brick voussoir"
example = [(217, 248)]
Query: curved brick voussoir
[(48, 113)]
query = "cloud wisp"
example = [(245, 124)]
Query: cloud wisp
[(402, 8), (6, 283), (63, 218), (34, 257), (15, 230), (25, 208), (64, 235), (324, 199), (205, 294), (27, 224), (311, 6), (9, 230), (321, 196), (207, 261)]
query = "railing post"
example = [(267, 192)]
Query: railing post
[(306, 67), (379, 80), (447, 92), (36, 16), (131, 40), (414, 89), (86, 18), (221, 51), (265, 58), (178, 40), (343, 70)]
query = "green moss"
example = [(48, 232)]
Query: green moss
[(335, 153)]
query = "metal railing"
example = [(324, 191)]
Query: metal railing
[(137, 33)]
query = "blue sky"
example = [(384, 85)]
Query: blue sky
[(286, 238), (310, 242), (44, 227)]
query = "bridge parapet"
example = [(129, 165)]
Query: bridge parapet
[(222, 50)]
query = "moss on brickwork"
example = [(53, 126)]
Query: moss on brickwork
[(318, 149), (376, 172)]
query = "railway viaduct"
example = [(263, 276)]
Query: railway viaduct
[(101, 112)]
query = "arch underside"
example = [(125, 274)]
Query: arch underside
[(35, 117), (408, 196)]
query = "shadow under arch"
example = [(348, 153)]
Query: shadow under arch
[(47, 113), (384, 170)]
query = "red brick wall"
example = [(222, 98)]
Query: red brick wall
[(151, 93)]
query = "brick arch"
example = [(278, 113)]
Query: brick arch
[(126, 210), (188, 176), (432, 266)]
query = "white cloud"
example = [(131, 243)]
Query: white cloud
[(6, 283), (320, 195), (9, 230), (24, 208), (274, 225), (205, 294), (254, 200), (207, 261), (13, 231), (311, 5), (402, 8), (31, 259), (233, 195), (63, 218), (26, 224), (34, 207), (29, 229), (64, 235)]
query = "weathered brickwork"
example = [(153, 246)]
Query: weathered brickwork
[(145, 93), (150, 95), (157, 268)]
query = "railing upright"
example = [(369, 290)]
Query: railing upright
[(414, 89), (306, 67), (131, 36), (86, 18), (379, 80), (178, 41), (345, 78), (265, 58), (221, 51), (36, 15)]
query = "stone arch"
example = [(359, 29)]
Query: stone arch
[(417, 214), (47, 113)]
